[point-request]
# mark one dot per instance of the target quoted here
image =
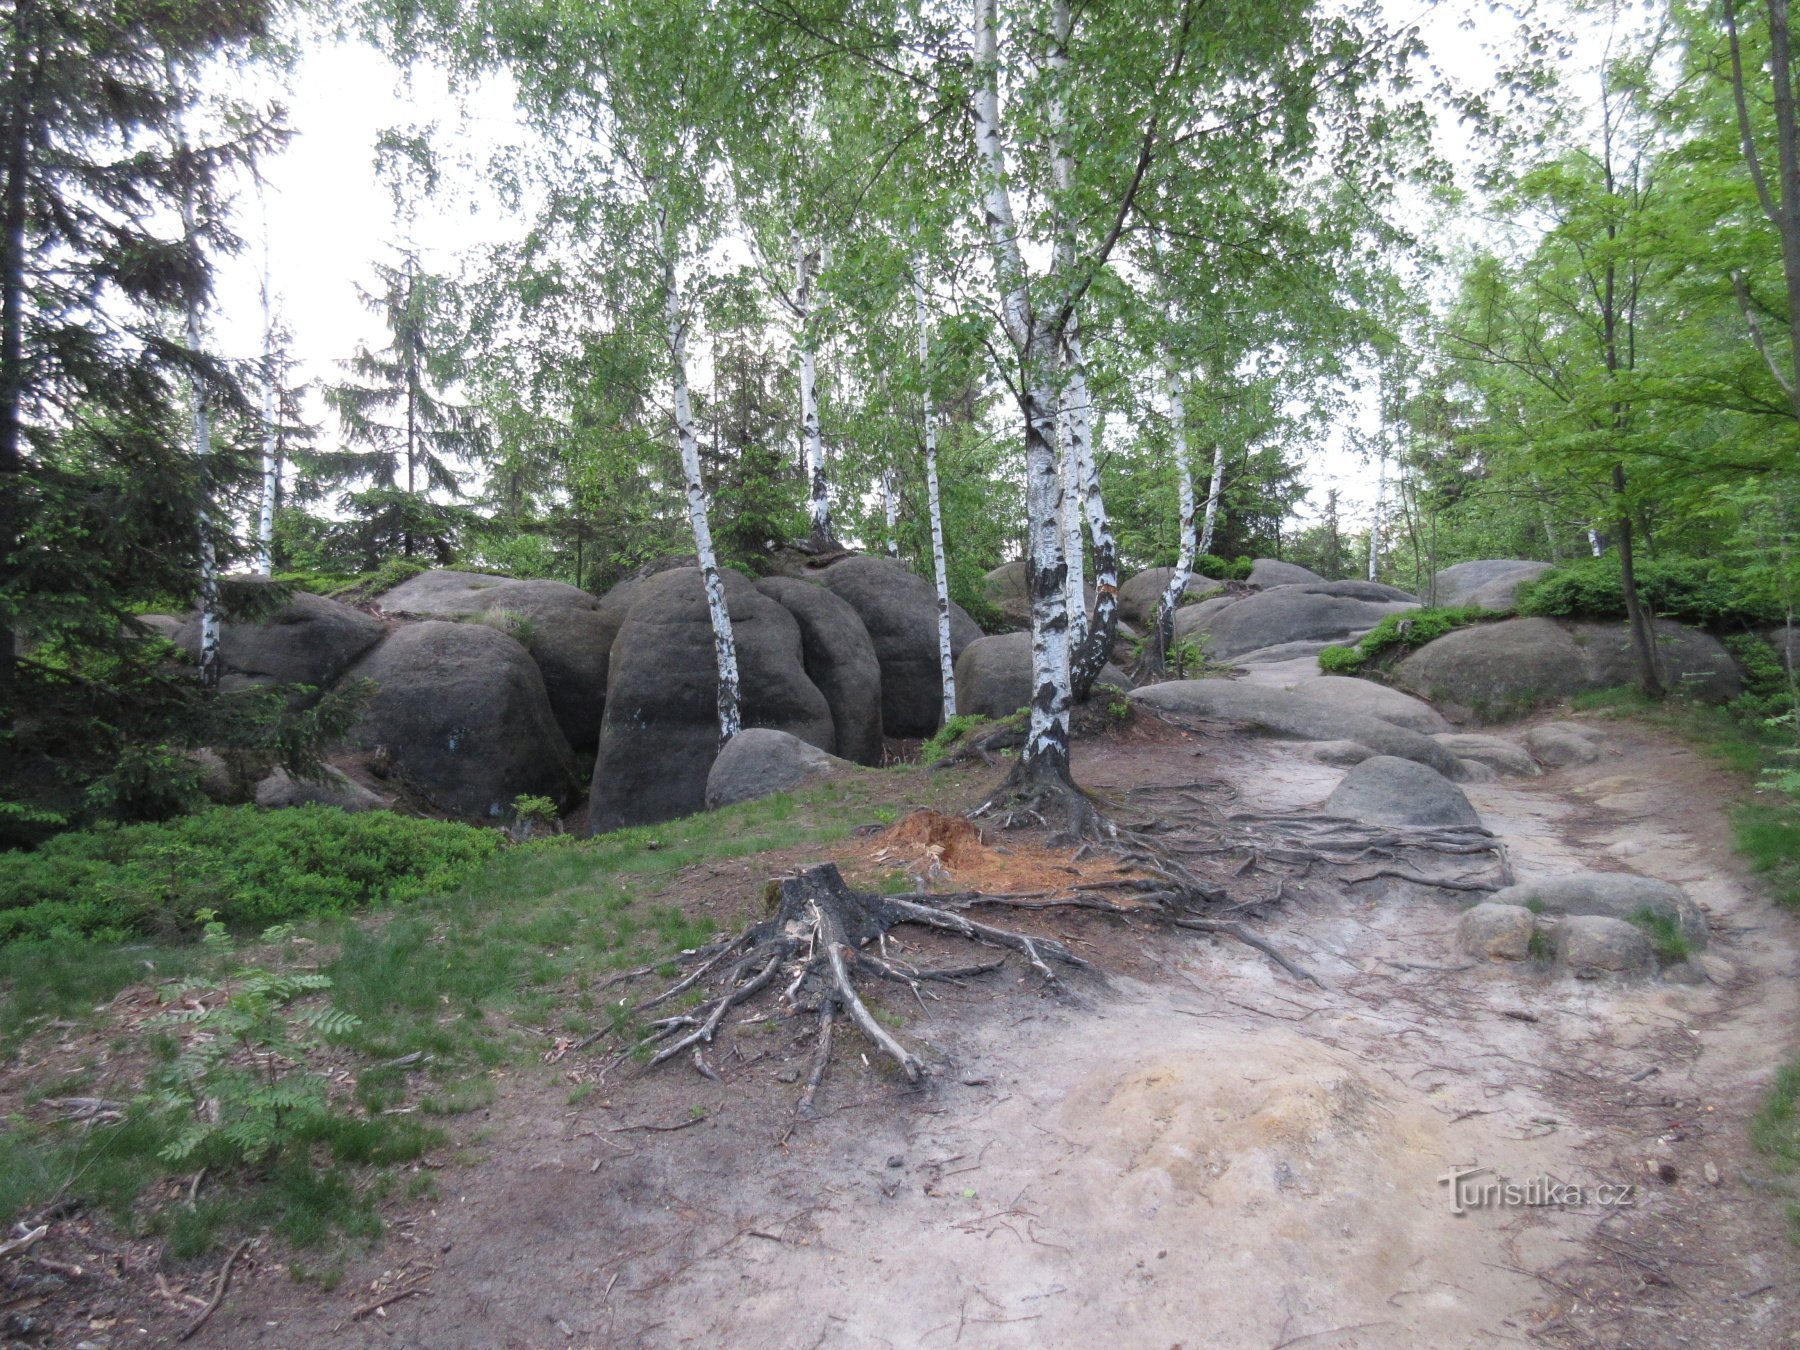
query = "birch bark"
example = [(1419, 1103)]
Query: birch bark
[(940, 572), (1213, 489), (812, 442), (202, 428), (265, 516), (1184, 558), (724, 646), (1375, 522), (1046, 750)]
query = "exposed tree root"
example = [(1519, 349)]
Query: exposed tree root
[(818, 941), (1042, 793)]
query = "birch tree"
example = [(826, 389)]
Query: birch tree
[(933, 503)]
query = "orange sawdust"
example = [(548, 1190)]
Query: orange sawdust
[(952, 853)]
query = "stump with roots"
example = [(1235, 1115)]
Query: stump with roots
[(822, 936)]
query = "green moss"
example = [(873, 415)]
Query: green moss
[(1400, 633)]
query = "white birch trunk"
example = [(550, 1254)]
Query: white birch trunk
[(724, 646), (890, 506), (1594, 541), (940, 571), (1047, 743), (265, 516), (812, 442), (1075, 587), (202, 425), (1212, 497), (1184, 481), (1375, 521), (1074, 416)]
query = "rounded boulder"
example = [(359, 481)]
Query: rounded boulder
[(461, 715), (1386, 790), (760, 761), (309, 640), (898, 608), (660, 732), (839, 659)]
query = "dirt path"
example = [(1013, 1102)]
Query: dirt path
[(1206, 1152)]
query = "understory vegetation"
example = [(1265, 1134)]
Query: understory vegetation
[(336, 1048)]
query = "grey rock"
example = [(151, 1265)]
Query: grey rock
[(1268, 572), (1559, 744), (616, 602), (1291, 613), (1502, 756), (1491, 584), (1283, 652), (1340, 753), (442, 593), (840, 660), (1004, 588), (1191, 621), (760, 761), (1356, 589), (164, 626), (562, 626), (993, 676), (1590, 946), (660, 732), (1280, 713), (898, 607), (1496, 932), (1616, 895), (461, 714), (1495, 670), (1387, 790), (1376, 700), (1140, 596), (1692, 663), (309, 640), (336, 788)]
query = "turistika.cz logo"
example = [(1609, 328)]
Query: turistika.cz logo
[(1473, 1187)]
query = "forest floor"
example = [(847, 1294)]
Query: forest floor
[(1196, 1148)]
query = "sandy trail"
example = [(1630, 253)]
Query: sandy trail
[(1209, 1154)]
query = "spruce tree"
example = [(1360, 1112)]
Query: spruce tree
[(401, 436)]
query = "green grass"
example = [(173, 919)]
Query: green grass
[(1401, 633), (455, 981), (1664, 932)]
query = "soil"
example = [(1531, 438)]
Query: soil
[(1196, 1148)]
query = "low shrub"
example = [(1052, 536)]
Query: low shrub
[(1401, 633), (1699, 591), (253, 867)]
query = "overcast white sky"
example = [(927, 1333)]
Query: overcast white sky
[(329, 217)]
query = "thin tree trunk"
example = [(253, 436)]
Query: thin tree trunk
[(724, 645), (812, 443), (1213, 491), (1184, 481), (1069, 448), (265, 518), (1103, 630), (1046, 750), (1643, 639), (1782, 205), (1072, 410), (197, 406), (890, 509), (940, 571), (1375, 520), (412, 412), (13, 214)]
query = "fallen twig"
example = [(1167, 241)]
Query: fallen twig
[(222, 1284)]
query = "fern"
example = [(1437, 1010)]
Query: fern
[(237, 1077)]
